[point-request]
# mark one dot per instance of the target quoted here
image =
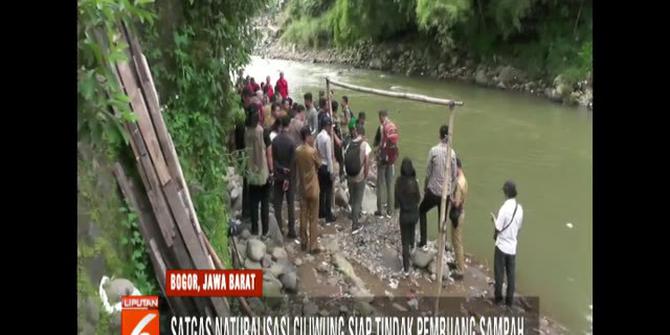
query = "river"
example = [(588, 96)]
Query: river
[(545, 147)]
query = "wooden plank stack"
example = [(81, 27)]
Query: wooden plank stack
[(167, 218)]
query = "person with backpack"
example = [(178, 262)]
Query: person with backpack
[(435, 179), (387, 154), (356, 168), (407, 198), (507, 225)]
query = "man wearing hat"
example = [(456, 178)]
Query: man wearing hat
[(324, 145)]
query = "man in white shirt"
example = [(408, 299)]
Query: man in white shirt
[(324, 145), (507, 225)]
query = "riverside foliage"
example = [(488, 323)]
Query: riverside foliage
[(544, 37)]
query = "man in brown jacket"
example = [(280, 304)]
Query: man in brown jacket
[(307, 162)]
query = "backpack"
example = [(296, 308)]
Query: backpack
[(352, 159), (391, 137)]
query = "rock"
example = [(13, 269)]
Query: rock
[(310, 309), (273, 229), (279, 253), (508, 75), (480, 77), (245, 234), (421, 258), (249, 264), (272, 288), (298, 261), (432, 268), (552, 94), (117, 288), (278, 269), (322, 267), (289, 281), (266, 262), (391, 259), (501, 85), (375, 64), (332, 281), (369, 200), (255, 249), (344, 309)]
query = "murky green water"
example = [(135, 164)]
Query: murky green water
[(546, 148)]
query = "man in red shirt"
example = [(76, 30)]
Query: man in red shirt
[(282, 85)]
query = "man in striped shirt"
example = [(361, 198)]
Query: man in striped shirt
[(435, 179)]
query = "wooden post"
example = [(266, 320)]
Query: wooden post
[(446, 206), (408, 96)]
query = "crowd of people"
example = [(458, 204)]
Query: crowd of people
[(297, 151)]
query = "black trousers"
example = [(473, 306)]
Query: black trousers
[(325, 194), (504, 264), (407, 239), (259, 195), (245, 199), (278, 199), (429, 201)]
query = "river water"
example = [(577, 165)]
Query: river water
[(544, 147)]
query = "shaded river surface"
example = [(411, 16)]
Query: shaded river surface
[(546, 148)]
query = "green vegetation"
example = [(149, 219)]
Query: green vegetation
[(543, 37), (193, 47)]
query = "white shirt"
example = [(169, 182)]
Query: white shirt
[(324, 145), (506, 240)]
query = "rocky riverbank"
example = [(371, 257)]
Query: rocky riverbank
[(409, 59), (365, 267)]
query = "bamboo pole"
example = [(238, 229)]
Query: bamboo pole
[(446, 206), (408, 96)]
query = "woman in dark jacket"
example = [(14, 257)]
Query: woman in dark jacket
[(407, 198)]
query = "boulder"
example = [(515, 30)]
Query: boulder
[(369, 204), (249, 264), (273, 229), (245, 234), (279, 253), (375, 64), (266, 262), (289, 281), (271, 287), (279, 268), (432, 268), (391, 259), (480, 77), (508, 75), (421, 258), (255, 249), (117, 288)]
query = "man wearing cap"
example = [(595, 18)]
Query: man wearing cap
[(324, 145), (507, 225)]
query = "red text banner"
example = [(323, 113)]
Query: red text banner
[(214, 283)]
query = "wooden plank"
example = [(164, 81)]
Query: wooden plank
[(402, 95), (185, 227), (165, 140), (143, 120), (158, 203)]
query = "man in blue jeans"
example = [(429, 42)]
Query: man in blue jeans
[(507, 225)]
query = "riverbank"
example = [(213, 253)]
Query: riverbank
[(412, 59)]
